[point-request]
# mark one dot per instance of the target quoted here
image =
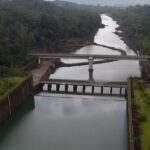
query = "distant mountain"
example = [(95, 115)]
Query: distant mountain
[(68, 4), (111, 2)]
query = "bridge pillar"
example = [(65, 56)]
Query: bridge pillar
[(39, 60), (57, 87), (49, 87), (120, 91), (66, 88), (126, 93), (75, 88), (102, 90), (111, 90), (83, 89), (147, 66), (91, 68), (92, 89)]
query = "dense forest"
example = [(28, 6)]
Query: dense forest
[(27, 24), (135, 22), (38, 24)]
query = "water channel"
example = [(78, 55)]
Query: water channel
[(66, 122)]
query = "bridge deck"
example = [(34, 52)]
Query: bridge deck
[(85, 56), (38, 72)]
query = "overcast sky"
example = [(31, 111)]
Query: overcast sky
[(111, 2)]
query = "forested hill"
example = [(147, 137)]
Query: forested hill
[(27, 24), (110, 2), (90, 8), (135, 22)]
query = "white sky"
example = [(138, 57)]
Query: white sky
[(111, 2)]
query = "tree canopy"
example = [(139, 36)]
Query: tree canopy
[(26, 24), (135, 21)]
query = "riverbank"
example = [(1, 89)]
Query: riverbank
[(136, 48), (141, 114), (132, 44), (66, 46)]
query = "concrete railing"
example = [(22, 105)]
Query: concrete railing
[(31, 65), (129, 115), (14, 98)]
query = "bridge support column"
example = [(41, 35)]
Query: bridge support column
[(147, 66), (75, 88), (39, 88), (126, 93), (92, 89), (102, 90), (83, 89), (120, 91), (111, 90), (57, 87), (49, 87), (39, 60), (66, 88), (90, 68)]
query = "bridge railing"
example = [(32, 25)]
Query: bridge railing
[(87, 56), (83, 87)]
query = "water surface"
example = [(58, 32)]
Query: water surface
[(68, 123), (63, 122)]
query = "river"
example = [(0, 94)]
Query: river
[(66, 122), (115, 71)]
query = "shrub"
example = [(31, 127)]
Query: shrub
[(141, 118)]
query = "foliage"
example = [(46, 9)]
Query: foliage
[(135, 21), (27, 24), (142, 102), (8, 83), (31, 24)]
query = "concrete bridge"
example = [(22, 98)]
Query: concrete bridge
[(82, 84), (87, 56), (91, 57)]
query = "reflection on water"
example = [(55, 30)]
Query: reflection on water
[(65, 123)]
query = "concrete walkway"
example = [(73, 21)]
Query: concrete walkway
[(39, 72)]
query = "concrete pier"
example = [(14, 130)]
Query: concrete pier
[(91, 68), (39, 60)]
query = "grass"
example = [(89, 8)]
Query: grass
[(7, 83), (142, 101)]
